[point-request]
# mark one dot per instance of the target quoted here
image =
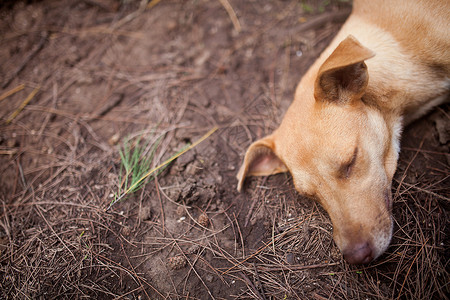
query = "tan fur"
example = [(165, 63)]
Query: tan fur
[(389, 64)]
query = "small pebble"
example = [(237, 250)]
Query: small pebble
[(203, 220), (181, 210), (114, 139), (126, 230), (193, 249), (176, 262)]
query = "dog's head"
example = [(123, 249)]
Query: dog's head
[(339, 150)]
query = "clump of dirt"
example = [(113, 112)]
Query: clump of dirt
[(99, 71)]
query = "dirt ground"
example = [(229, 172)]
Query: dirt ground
[(96, 72)]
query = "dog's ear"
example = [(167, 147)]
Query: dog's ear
[(343, 76), (260, 160)]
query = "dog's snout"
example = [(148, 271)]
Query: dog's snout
[(359, 253)]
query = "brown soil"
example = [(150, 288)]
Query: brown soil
[(105, 70)]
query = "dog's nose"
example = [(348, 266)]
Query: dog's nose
[(359, 253)]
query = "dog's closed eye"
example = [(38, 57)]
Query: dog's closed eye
[(346, 168)]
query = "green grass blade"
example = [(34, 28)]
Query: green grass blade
[(143, 173)]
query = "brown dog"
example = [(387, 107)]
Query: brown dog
[(389, 64)]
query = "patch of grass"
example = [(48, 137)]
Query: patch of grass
[(136, 163), (136, 159)]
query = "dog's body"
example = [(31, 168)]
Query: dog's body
[(388, 65)]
